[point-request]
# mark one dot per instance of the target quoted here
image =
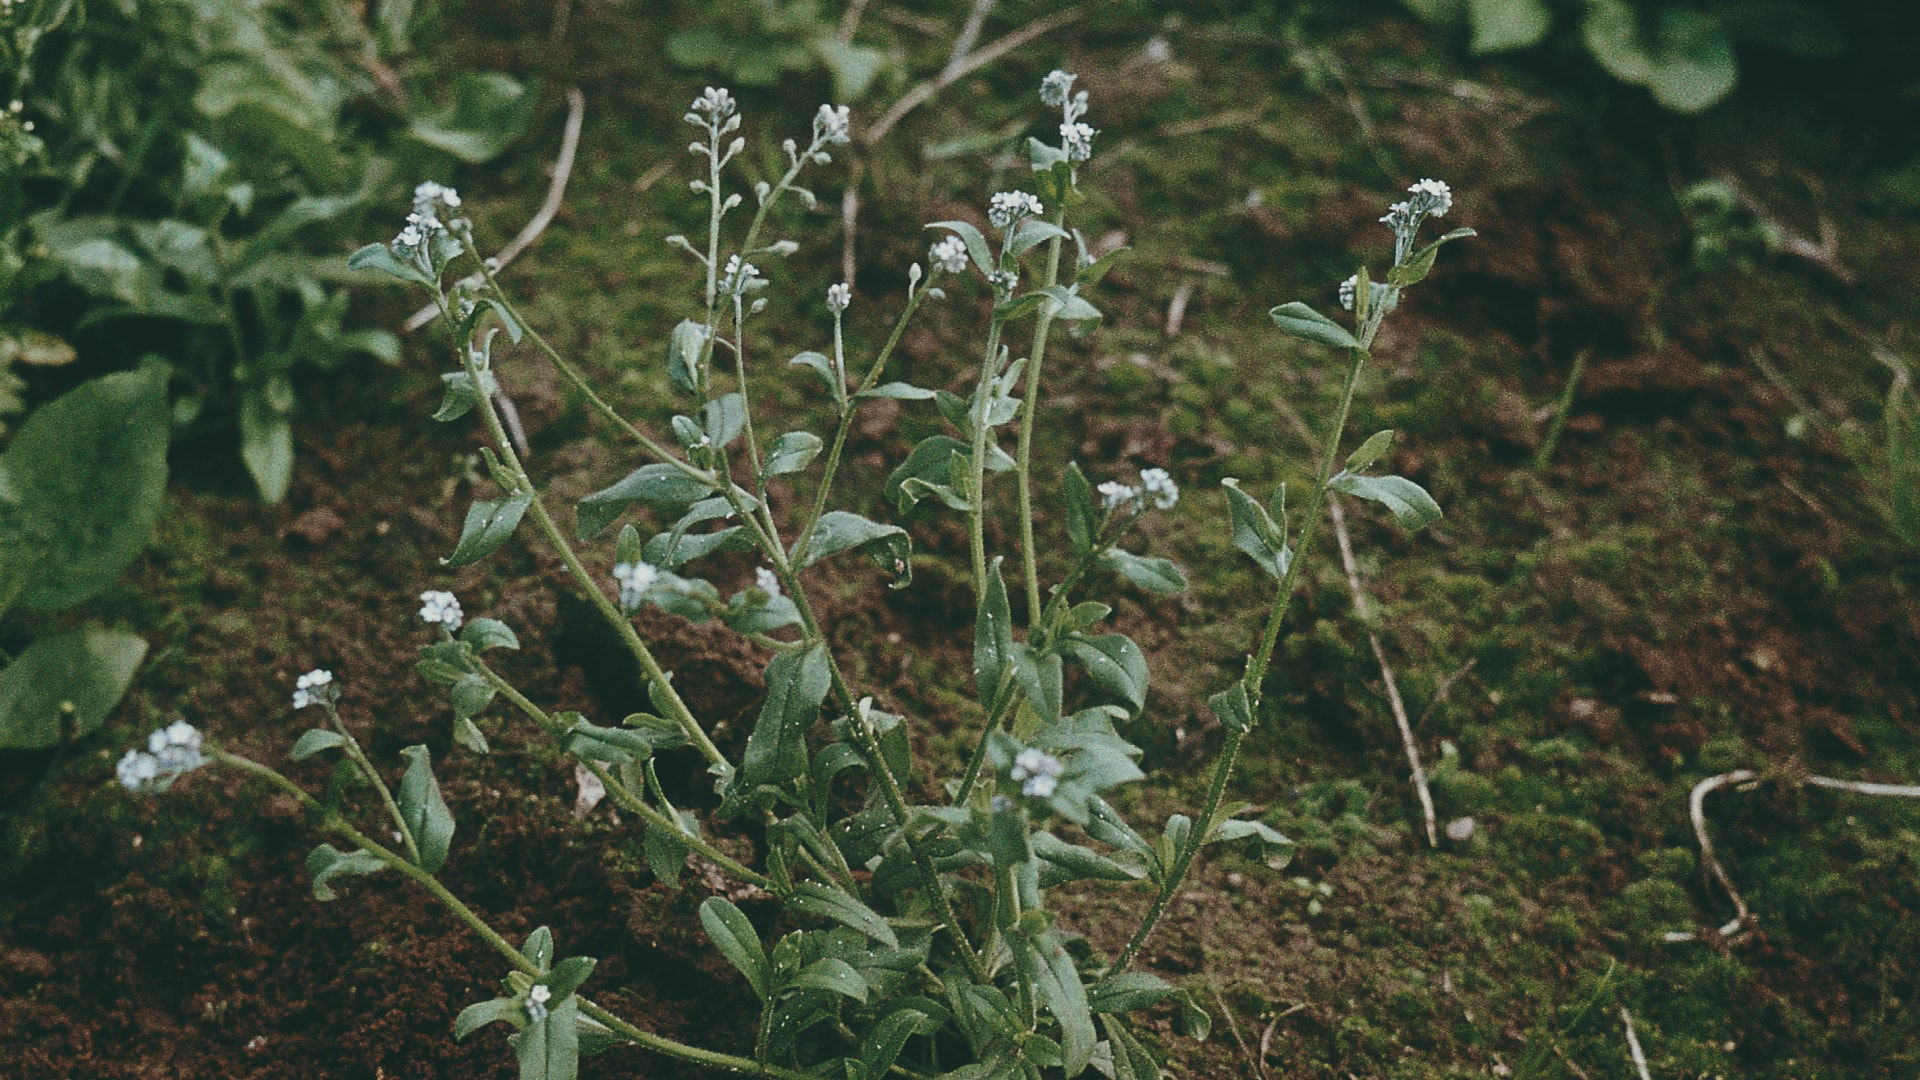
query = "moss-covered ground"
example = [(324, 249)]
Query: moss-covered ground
[(1699, 578)]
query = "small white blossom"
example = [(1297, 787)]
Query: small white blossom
[(767, 580), (172, 752), (1000, 804), (537, 999), (1004, 279), (1077, 140), (313, 688), (1347, 288), (1037, 771), (430, 197), (634, 578), (441, 608), (1007, 207), (1114, 494), (408, 242), (1431, 197), (832, 124), (740, 276), (949, 255), (1160, 487), (1055, 88), (839, 297)]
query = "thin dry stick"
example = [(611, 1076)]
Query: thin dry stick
[(850, 19), (1398, 707), (1444, 691), (973, 62), (969, 34), (1633, 1045), (1696, 809), (850, 216), (556, 191)]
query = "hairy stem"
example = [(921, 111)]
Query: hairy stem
[(1029, 406)]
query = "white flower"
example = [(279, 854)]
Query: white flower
[(1114, 494), (1160, 487), (635, 578), (839, 297), (1000, 804), (1347, 288), (767, 580), (313, 688), (832, 124), (1077, 140), (1397, 215), (172, 752), (430, 196), (1038, 771), (1431, 197), (949, 255), (440, 607), (740, 277), (537, 999), (1004, 279), (712, 107), (1055, 88), (407, 242), (1007, 207)]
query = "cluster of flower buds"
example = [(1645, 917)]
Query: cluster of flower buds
[(1428, 198), (432, 218), (634, 579), (839, 297), (766, 580), (948, 255), (832, 125), (537, 999), (1156, 486), (740, 277), (314, 688), (16, 106), (440, 608), (172, 752), (1008, 207), (1076, 138), (1037, 772)]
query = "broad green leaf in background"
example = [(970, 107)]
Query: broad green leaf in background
[(80, 488), (488, 111), (88, 670)]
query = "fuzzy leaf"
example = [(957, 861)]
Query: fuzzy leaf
[(797, 682), (490, 523), (424, 810), (1113, 661), (737, 940), (1410, 504), (830, 903), (1303, 322)]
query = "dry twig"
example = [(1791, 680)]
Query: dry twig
[(1398, 707), (1633, 1045), (971, 63)]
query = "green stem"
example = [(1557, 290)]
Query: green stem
[(334, 823), (622, 794), (359, 759), (977, 465), (1029, 406), (1256, 672), (1552, 441)]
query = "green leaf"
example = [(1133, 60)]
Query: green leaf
[(315, 741), (992, 635), (1275, 849), (833, 975), (538, 949), (898, 391), (830, 903), (471, 695), (1255, 532), (726, 418), (977, 248), (1083, 514), (1113, 661), (823, 367), (656, 482), (75, 677), (380, 257), (1031, 232), (490, 523), (80, 489), (790, 453), (483, 634), (1232, 707), (468, 734), (797, 682), (1068, 305), (1902, 419), (481, 1013), (1071, 862), (487, 112), (1370, 451), (852, 67), (737, 940), (568, 975), (424, 810), (888, 545), (326, 862), (266, 446), (885, 1039), (684, 349), (550, 1049), (1507, 25), (1410, 504), (1056, 982), (1129, 992), (460, 397), (1039, 676), (1155, 575), (667, 849), (616, 745), (1303, 322), (1194, 1020)]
